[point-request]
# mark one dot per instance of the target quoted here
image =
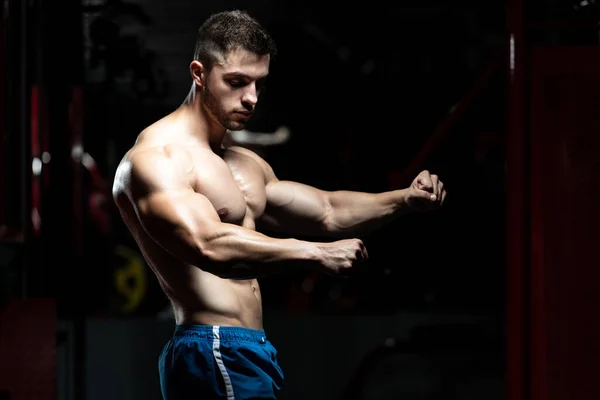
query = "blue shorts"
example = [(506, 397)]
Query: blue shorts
[(219, 362)]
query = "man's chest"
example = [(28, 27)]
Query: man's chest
[(236, 188)]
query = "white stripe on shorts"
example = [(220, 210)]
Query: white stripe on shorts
[(219, 359)]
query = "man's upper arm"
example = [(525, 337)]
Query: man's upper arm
[(295, 207), (168, 208)]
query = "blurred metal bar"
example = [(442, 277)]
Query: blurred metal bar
[(564, 120), (3, 126), (76, 145), (517, 361), (15, 121), (35, 157), (25, 161)]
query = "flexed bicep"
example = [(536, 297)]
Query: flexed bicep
[(296, 208), (168, 209), (186, 224), (291, 207)]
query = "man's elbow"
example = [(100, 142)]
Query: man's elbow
[(183, 241), (328, 223), (207, 242), (216, 255)]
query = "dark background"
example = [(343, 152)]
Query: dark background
[(372, 94), (361, 90)]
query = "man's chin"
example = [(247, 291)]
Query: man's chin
[(235, 126)]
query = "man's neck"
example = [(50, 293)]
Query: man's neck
[(199, 123)]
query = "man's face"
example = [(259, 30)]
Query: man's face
[(233, 86)]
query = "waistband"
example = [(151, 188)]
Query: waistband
[(212, 332)]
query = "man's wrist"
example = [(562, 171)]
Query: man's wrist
[(401, 201)]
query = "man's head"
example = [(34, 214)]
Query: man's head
[(228, 30), (231, 62)]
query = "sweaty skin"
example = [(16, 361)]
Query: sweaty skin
[(230, 189), (193, 204), (185, 205)]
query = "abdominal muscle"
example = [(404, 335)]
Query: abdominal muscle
[(199, 297)]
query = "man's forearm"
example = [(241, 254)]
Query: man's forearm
[(238, 250), (229, 250), (357, 213)]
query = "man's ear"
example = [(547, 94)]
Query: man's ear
[(198, 73)]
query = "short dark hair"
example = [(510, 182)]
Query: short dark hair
[(227, 30)]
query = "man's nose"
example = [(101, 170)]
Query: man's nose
[(251, 95)]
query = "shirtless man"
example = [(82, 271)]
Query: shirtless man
[(193, 204)]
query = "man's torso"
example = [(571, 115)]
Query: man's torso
[(235, 185)]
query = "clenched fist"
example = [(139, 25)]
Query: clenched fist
[(339, 258), (426, 192)]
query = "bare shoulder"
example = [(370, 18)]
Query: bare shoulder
[(146, 169)]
